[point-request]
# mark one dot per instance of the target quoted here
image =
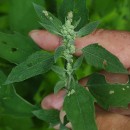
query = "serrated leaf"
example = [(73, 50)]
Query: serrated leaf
[(89, 28), (49, 21), (59, 70), (58, 53), (99, 57), (79, 11), (16, 47), (109, 95), (78, 63), (59, 85), (38, 63), (78, 112), (50, 116), (9, 98)]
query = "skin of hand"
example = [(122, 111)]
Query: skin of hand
[(118, 43)]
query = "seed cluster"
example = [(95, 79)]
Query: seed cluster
[(68, 29), (69, 35), (47, 14)]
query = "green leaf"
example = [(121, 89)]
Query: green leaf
[(99, 57), (59, 70), (79, 113), (38, 63), (22, 16), (59, 85), (58, 53), (79, 9), (78, 63), (49, 22), (50, 116), (11, 103), (76, 23), (89, 28), (109, 95), (16, 47)]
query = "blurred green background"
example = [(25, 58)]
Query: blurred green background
[(19, 16)]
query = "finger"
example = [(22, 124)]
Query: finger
[(113, 78), (105, 120), (117, 42), (111, 121), (45, 39), (122, 111), (110, 78), (54, 101)]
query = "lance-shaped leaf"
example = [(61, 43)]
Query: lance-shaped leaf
[(78, 63), (109, 95), (59, 70), (79, 11), (58, 53), (48, 21), (9, 98), (99, 57), (89, 28), (50, 116), (38, 63), (79, 108), (16, 47), (59, 85)]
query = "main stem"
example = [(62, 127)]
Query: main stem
[(68, 41)]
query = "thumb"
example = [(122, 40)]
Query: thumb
[(117, 42), (45, 40)]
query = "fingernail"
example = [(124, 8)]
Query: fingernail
[(46, 103), (34, 34)]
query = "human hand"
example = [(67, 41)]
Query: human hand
[(118, 43)]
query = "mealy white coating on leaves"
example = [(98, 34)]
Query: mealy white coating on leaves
[(105, 62), (50, 18), (69, 67), (71, 92), (45, 12), (123, 89), (111, 92), (70, 15)]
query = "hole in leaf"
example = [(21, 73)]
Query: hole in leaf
[(14, 49)]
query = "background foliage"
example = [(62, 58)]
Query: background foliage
[(17, 18)]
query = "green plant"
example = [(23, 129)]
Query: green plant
[(79, 102)]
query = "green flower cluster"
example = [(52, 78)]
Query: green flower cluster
[(69, 35), (68, 29)]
